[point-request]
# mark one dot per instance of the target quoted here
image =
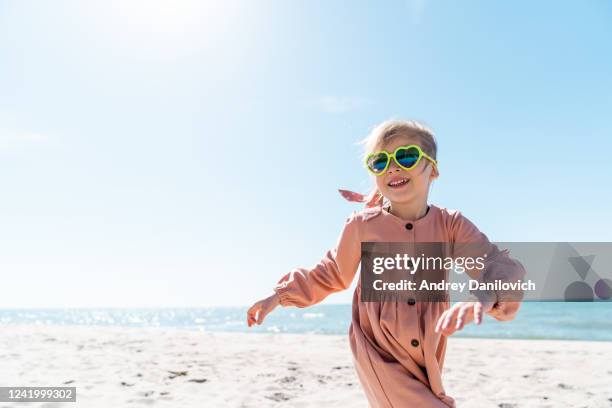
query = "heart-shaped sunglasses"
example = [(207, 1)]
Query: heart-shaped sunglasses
[(406, 157)]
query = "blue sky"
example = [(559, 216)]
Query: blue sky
[(188, 153)]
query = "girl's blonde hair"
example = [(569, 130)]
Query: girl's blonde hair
[(382, 133)]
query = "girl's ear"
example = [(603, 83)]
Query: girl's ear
[(434, 173)]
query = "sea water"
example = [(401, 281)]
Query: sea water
[(535, 320)]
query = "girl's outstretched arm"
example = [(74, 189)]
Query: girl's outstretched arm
[(335, 271), (469, 241), (304, 287)]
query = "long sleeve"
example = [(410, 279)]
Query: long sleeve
[(498, 266), (303, 287)]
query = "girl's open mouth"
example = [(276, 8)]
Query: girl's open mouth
[(397, 183)]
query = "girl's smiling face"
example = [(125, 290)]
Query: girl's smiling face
[(405, 186)]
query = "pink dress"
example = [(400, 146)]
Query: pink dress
[(396, 352)]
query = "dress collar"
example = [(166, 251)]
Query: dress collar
[(372, 210), (424, 219)]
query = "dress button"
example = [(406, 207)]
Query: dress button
[(411, 301), (409, 226), (414, 342)]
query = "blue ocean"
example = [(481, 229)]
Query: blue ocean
[(536, 320)]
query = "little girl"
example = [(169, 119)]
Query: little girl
[(398, 347)]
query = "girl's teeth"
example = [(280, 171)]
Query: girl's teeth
[(398, 183)]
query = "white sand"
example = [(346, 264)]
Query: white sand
[(120, 367)]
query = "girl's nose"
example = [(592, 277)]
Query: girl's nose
[(393, 166)]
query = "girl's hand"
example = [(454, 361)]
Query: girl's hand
[(460, 314), (505, 311), (260, 309)]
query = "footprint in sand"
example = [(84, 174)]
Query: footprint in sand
[(278, 397), (198, 380), (174, 374), (146, 401)]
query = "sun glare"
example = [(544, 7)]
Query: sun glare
[(164, 26)]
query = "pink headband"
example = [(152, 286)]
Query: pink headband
[(374, 199)]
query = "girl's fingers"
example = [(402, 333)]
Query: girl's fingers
[(439, 324), (440, 320), (478, 312), (449, 316), (462, 311), (457, 316), (258, 312), (252, 312)]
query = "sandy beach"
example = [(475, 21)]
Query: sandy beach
[(132, 367)]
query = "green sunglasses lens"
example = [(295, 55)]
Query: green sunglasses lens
[(378, 162), (407, 157)]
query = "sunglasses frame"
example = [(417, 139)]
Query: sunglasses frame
[(393, 155)]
